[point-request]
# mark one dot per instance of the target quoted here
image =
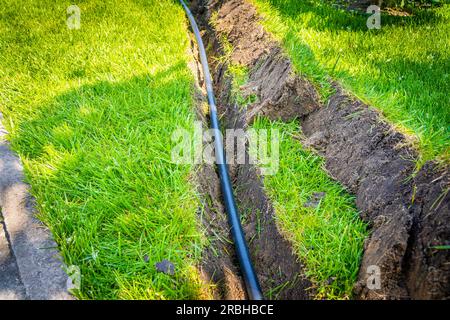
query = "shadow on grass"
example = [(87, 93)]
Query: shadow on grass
[(422, 96), (408, 91), (99, 162), (326, 16), (88, 106), (420, 103)]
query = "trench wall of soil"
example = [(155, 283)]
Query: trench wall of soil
[(408, 211), (272, 256)]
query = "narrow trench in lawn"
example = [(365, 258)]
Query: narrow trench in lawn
[(404, 209), (278, 268)]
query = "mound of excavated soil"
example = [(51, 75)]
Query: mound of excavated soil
[(409, 216)]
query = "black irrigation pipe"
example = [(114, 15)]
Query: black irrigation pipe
[(248, 272)]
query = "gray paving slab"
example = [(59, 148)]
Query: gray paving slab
[(11, 287), (33, 249)]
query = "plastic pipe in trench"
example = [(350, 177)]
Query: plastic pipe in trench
[(250, 279)]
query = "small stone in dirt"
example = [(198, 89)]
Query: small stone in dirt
[(166, 267), (314, 200)]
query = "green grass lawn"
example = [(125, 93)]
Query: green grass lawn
[(403, 69), (328, 238), (326, 232), (91, 113)]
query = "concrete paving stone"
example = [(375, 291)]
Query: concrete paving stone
[(33, 249)]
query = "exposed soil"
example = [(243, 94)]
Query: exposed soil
[(408, 212), (218, 266), (376, 164), (273, 258)]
